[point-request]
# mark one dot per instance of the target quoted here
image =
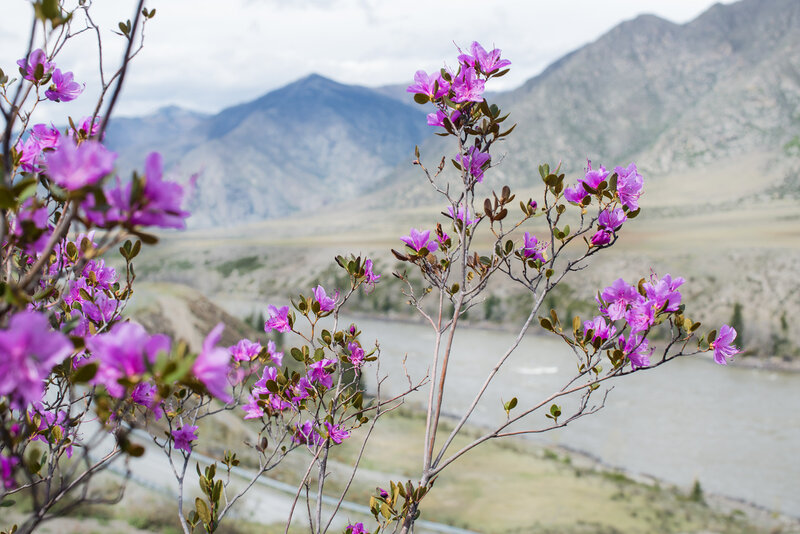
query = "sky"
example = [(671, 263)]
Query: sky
[(208, 55)]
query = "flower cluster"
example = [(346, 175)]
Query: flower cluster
[(37, 69), (455, 94), (634, 311)]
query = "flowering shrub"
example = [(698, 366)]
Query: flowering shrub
[(72, 369)]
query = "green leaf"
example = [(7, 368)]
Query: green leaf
[(419, 98), (7, 503), (202, 510), (50, 9), (546, 324)]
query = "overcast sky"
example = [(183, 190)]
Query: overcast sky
[(208, 55)]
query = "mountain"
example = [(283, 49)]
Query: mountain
[(673, 98), (300, 147)]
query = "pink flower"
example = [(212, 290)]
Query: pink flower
[(599, 328), (616, 299), (358, 528), (488, 62), (723, 345), (73, 167), (462, 215), (336, 434), (531, 248), (183, 437), (29, 349), (370, 278), (602, 237), (613, 219), (473, 162), (252, 409), (63, 88), (275, 356), (213, 364), (7, 471), (305, 434), (356, 353), (245, 350), (31, 65), (629, 186), (326, 303), (125, 351), (432, 85), (467, 87), (635, 349), (146, 394), (278, 319), (418, 240), (317, 372)]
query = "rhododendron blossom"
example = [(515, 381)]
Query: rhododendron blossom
[(212, 365), (473, 162), (278, 319), (418, 240), (73, 167), (531, 248), (63, 88), (488, 62), (29, 349), (723, 345), (35, 60), (326, 303), (629, 186), (433, 85), (184, 436)]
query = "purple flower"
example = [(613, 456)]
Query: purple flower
[(599, 328), (531, 248), (356, 353), (336, 434), (488, 62), (358, 528), (593, 177), (252, 409), (629, 186), (73, 167), (612, 219), (63, 88), (7, 471), (473, 162), (212, 365), (125, 351), (575, 193), (425, 84), (300, 391), (158, 205), (437, 118), (46, 136), (664, 291), (420, 240), (370, 278), (635, 348), (317, 372), (602, 237), (618, 296), (278, 319), (28, 67), (29, 349), (467, 87), (275, 356), (30, 152), (146, 394), (245, 350), (723, 345), (87, 127), (641, 316), (326, 303), (184, 436), (305, 434), (462, 215)]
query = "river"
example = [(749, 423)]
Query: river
[(735, 430)]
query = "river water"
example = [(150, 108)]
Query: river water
[(735, 430)]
